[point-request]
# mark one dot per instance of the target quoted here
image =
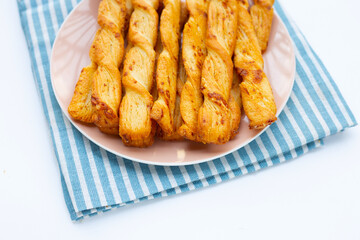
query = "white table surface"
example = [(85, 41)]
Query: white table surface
[(316, 196)]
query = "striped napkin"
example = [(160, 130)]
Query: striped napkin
[(96, 181)]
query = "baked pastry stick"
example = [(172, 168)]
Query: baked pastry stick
[(80, 107), (177, 114), (136, 127), (256, 93), (194, 53), (98, 92), (109, 52), (167, 66), (217, 73), (181, 78), (262, 13)]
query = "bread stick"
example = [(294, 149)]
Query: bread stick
[(256, 93), (80, 107), (177, 114), (136, 127), (262, 14), (100, 81), (181, 78), (217, 73), (109, 52), (166, 72), (194, 53)]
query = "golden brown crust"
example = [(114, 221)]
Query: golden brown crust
[(99, 83), (194, 53), (181, 78), (154, 92), (106, 99), (256, 93), (80, 107), (184, 15), (177, 114), (129, 10), (217, 74), (158, 50), (166, 72), (108, 54), (136, 127), (262, 14), (235, 106)]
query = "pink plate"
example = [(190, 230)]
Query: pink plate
[(71, 53)]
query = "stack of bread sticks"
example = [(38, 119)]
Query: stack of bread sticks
[(177, 70)]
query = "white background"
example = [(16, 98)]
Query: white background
[(316, 196)]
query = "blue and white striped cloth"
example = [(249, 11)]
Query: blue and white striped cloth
[(95, 181)]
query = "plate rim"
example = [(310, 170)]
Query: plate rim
[(279, 110)]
